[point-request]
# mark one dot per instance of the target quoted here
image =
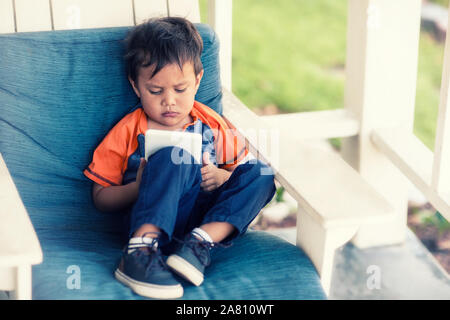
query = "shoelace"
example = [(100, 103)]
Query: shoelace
[(201, 248), (151, 257)]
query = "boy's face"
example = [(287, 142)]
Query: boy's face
[(168, 97)]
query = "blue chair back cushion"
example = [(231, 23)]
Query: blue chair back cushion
[(60, 93)]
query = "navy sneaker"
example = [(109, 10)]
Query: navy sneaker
[(191, 258), (143, 269)]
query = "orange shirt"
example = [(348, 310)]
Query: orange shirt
[(116, 159)]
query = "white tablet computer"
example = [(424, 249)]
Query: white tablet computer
[(158, 139)]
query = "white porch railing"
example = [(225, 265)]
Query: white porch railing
[(387, 103), (377, 121)]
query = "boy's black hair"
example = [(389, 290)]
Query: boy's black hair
[(162, 41)]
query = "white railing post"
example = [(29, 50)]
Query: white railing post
[(381, 72), (441, 165), (7, 21), (220, 18), (186, 8)]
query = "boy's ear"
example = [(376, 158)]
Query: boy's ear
[(133, 84), (198, 78)]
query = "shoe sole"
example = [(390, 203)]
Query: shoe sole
[(185, 269), (150, 290)]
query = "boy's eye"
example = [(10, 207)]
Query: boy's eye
[(155, 92), (180, 90)]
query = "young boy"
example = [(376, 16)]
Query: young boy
[(203, 204)]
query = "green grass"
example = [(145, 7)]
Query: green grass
[(431, 55), (292, 54), (441, 2), (282, 53)]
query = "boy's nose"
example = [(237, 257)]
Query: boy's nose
[(168, 100)]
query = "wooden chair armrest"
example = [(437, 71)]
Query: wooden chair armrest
[(19, 244), (334, 200)]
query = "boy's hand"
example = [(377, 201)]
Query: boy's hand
[(212, 177), (139, 172)]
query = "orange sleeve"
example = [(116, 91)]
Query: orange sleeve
[(108, 163)]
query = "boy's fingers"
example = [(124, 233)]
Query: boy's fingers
[(207, 175), (140, 170), (206, 169), (209, 188), (142, 165), (206, 184), (207, 178), (205, 159)]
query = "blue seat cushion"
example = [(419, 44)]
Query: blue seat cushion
[(242, 271)]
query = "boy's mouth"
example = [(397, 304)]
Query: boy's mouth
[(170, 114)]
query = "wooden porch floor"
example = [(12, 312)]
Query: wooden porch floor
[(407, 271)]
